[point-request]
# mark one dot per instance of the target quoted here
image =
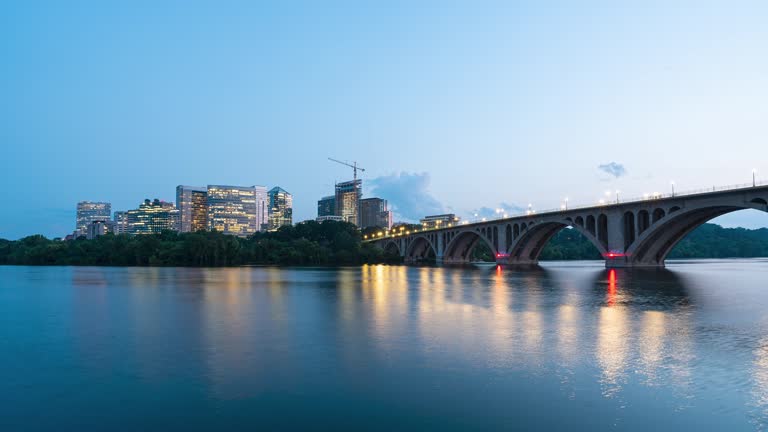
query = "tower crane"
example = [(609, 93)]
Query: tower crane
[(353, 165)]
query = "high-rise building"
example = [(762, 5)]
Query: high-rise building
[(192, 202), (439, 221), (237, 210), (374, 213), (87, 212), (280, 208), (348, 196), (326, 206), (120, 222), (153, 217)]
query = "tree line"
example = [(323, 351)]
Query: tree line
[(307, 243), (326, 243)]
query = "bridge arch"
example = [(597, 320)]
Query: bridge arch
[(652, 246), (459, 250), (528, 248), (629, 228), (419, 248), (392, 247), (643, 221), (658, 214), (591, 226)]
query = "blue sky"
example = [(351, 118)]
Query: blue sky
[(451, 106)]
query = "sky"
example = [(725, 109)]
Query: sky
[(449, 106)]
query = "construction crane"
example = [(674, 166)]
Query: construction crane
[(353, 165)]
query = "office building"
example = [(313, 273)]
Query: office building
[(326, 206), (322, 219), (348, 196), (87, 212), (374, 213), (280, 208), (237, 210), (153, 217), (99, 228), (192, 202), (120, 222), (439, 221)]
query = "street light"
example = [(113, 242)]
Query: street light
[(754, 174), (566, 204), (673, 188), (617, 196)]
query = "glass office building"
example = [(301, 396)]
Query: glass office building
[(280, 208), (326, 206), (153, 217), (374, 213), (237, 210), (88, 212), (192, 202), (348, 196)]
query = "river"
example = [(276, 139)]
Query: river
[(564, 346)]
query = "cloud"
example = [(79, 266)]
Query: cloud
[(615, 169), (407, 193)]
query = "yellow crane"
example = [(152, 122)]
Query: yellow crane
[(352, 165)]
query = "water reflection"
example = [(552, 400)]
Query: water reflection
[(563, 334)]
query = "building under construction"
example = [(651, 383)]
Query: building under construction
[(348, 195)]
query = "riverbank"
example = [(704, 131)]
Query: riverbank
[(322, 244)]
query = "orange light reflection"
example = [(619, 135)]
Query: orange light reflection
[(611, 299)]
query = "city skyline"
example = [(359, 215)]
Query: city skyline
[(530, 105)]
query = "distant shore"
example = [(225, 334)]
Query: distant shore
[(326, 244)]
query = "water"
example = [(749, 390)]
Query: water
[(567, 346)]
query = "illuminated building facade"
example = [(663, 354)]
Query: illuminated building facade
[(192, 202), (89, 211), (153, 217), (326, 206), (237, 210), (120, 222), (348, 196), (439, 221), (374, 213), (280, 208)]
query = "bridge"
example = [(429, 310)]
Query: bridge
[(635, 233)]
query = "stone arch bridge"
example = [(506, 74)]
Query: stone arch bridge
[(629, 234)]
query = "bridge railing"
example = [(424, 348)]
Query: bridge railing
[(648, 197)]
